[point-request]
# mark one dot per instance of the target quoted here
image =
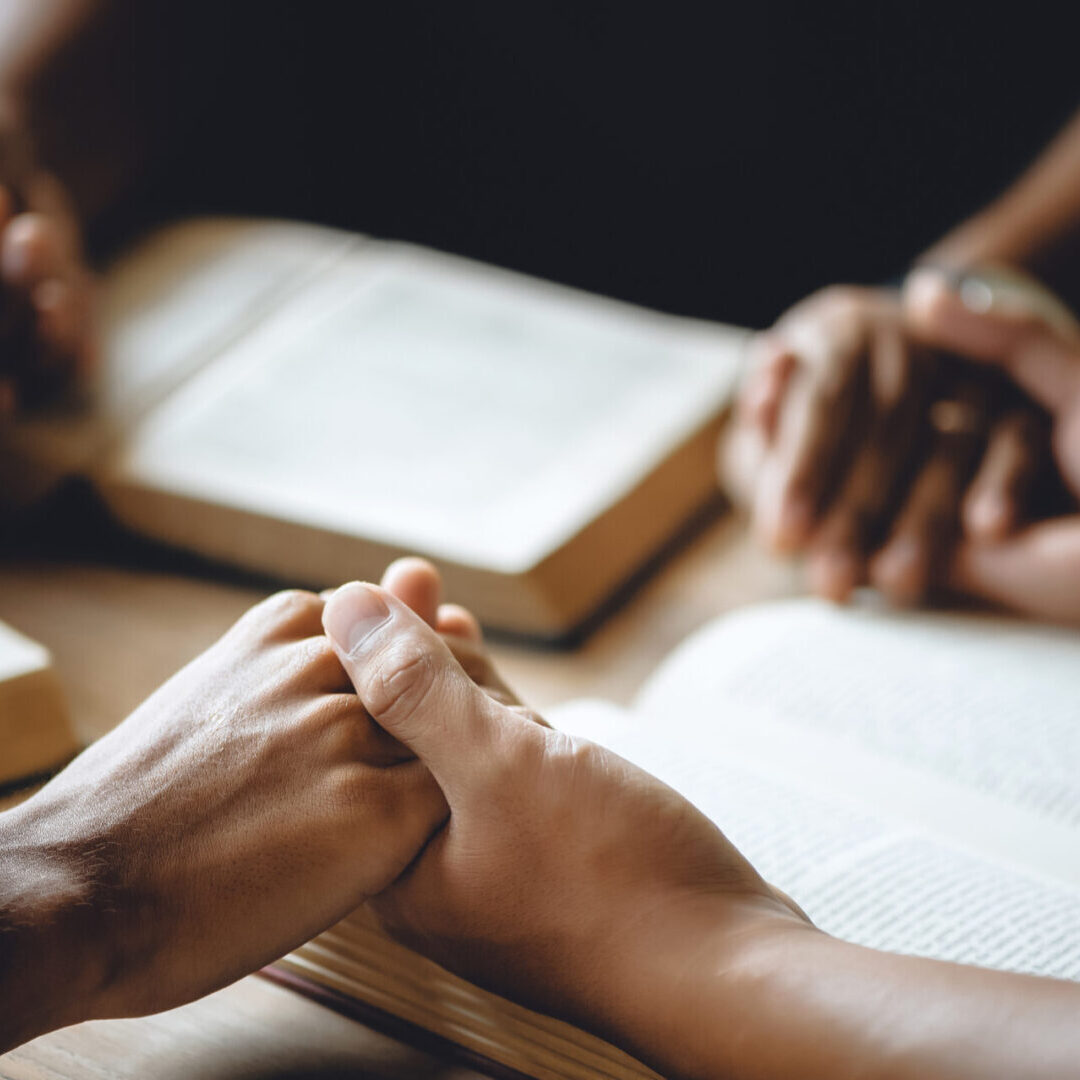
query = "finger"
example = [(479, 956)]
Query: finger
[(416, 583), (59, 319), (478, 665), (911, 561), (411, 804), (761, 397), (861, 509), (1044, 360), (47, 196), (290, 615), (997, 497), (1033, 572), (31, 251), (813, 429), (742, 455), (9, 399), (410, 683), (836, 562), (457, 621)]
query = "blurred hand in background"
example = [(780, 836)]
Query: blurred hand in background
[(907, 440), (1028, 561), (46, 290)]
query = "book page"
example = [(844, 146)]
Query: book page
[(980, 707), (167, 307), (868, 877), (430, 403)]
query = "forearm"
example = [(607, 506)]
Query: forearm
[(1033, 224), (798, 1003)]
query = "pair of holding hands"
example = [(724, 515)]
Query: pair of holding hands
[(925, 442), (288, 775), (361, 748)]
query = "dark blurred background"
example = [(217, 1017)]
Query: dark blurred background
[(719, 159)]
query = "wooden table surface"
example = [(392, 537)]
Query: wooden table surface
[(117, 634)]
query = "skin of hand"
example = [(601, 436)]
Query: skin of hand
[(245, 806), (837, 450), (574, 882), (1032, 569), (558, 852)]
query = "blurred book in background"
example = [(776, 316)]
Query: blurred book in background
[(35, 735), (308, 403)]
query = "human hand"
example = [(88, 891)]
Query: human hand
[(244, 807), (46, 290), (1037, 346), (852, 443), (809, 377), (564, 873)]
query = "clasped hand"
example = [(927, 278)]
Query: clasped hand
[(922, 442), (286, 776)]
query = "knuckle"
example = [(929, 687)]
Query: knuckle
[(286, 613), (292, 603), (844, 301), (331, 721), (312, 652), (402, 681), (355, 789), (574, 754), (833, 382)]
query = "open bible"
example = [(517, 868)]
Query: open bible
[(309, 404), (913, 781)]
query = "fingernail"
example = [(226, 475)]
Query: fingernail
[(351, 614)]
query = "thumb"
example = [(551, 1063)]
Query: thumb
[(409, 681), (1033, 572), (1016, 325)]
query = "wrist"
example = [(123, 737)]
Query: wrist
[(52, 961), (689, 987)]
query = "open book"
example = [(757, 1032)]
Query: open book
[(35, 733), (913, 781), (310, 403)]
